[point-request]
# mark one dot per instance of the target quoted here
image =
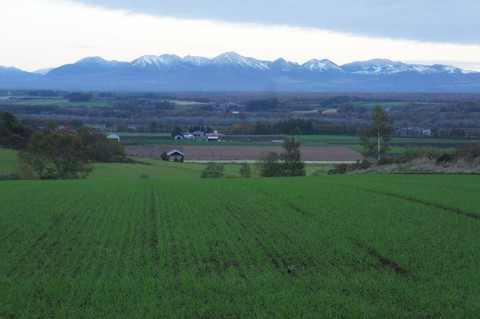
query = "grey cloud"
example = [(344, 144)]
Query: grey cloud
[(454, 21)]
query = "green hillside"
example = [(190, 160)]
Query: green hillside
[(8, 160)]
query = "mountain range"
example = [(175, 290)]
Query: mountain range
[(233, 72)]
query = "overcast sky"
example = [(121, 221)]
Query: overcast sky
[(47, 33)]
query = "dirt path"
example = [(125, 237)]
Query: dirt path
[(243, 153)]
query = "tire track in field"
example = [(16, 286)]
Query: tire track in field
[(281, 260), (450, 209), (383, 261), (294, 207), (271, 255), (304, 261), (154, 234), (298, 209), (448, 187)]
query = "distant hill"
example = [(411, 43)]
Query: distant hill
[(233, 72)]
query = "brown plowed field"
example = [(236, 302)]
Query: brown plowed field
[(242, 153)]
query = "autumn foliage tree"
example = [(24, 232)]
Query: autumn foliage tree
[(375, 138)]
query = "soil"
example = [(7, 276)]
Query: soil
[(242, 153)]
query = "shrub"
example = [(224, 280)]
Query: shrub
[(164, 156), (386, 161), (9, 177), (213, 170), (445, 157), (338, 169), (412, 153), (245, 170), (344, 168), (468, 152), (25, 171), (322, 171)]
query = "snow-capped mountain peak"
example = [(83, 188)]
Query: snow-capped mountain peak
[(322, 66), (238, 61), (231, 71), (195, 60), (440, 68), (284, 65), (376, 66), (157, 61), (383, 66)]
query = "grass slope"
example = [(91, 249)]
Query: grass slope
[(332, 246), (8, 161), (147, 167)]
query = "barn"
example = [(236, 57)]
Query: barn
[(176, 155)]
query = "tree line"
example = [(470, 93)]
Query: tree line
[(57, 152)]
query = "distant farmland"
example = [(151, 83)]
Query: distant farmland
[(370, 246), (211, 152)]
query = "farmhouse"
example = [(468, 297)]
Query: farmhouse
[(177, 155), (188, 136), (215, 136)]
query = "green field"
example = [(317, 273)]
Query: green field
[(8, 161), (398, 144), (59, 101), (368, 246)]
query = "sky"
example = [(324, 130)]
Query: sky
[(38, 34)]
